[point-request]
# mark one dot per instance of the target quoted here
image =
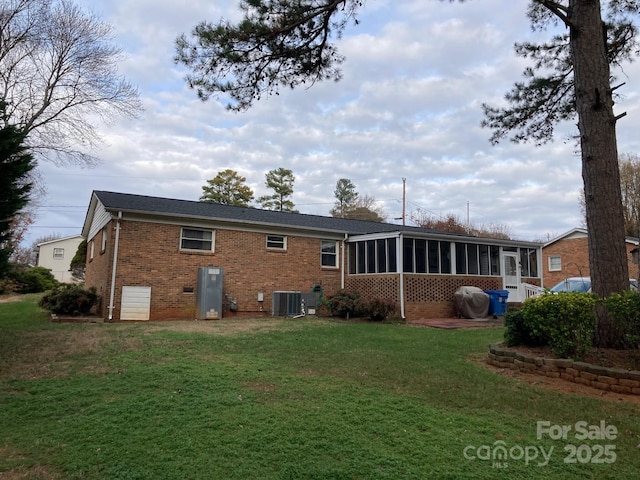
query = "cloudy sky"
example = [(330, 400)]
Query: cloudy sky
[(409, 106)]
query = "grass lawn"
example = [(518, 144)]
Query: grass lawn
[(285, 399)]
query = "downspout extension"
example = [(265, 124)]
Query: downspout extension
[(344, 251), (112, 293)]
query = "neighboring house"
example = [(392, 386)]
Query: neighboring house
[(568, 256), (145, 255), (56, 255)]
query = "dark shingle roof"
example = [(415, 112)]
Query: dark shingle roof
[(200, 210)]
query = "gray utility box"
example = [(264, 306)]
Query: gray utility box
[(209, 293)]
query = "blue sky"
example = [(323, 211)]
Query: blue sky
[(409, 106)]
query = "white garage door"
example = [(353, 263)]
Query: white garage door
[(136, 303)]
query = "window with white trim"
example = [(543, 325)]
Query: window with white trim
[(276, 242), (329, 253), (58, 253), (92, 247), (555, 263), (103, 245), (196, 239)]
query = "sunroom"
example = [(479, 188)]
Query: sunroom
[(423, 271)]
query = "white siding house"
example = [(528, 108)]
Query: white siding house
[(56, 255)]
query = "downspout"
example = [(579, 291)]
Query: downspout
[(400, 264), (344, 249), (113, 269)]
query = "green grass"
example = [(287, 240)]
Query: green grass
[(276, 399)]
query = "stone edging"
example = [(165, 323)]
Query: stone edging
[(609, 379)]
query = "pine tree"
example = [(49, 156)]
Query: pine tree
[(227, 188), (281, 182), (16, 163)]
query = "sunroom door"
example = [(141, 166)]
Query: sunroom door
[(511, 276)]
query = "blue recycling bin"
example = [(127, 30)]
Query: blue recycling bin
[(497, 302)]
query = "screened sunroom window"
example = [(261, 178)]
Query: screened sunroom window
[(373, 256)]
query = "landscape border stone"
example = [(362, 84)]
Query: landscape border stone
[(597, 376)]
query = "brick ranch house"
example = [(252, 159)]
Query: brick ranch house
[(567, 255), (158, 245)]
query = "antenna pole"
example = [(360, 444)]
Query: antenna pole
[(404, 199)]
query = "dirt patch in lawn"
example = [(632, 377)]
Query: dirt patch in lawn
[(23, 472), (48, 354), (10, 298), (226, 327)]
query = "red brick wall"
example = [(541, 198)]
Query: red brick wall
[(149, 255), (98, 268), (574, 255)]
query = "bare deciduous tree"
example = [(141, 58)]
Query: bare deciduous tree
[(451, 223), (58, 77)]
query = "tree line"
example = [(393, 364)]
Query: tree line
[(228, 187)]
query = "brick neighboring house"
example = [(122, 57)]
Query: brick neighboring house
[(568, 256), (157, 246)]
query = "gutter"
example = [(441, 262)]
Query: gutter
[(113, 268)]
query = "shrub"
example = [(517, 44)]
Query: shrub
[(565, 321), (8, 285), (69, 299), (624, 312), (519, 332), (34, 280), (344, 303), (379, 309)]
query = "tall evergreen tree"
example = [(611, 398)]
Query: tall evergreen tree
[(281, 182), (227, 188), (346, 196), (15, 165)]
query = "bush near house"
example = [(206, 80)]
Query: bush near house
[(32, 279), (8, 286), (344, 303), (624, 312), (518, 331), (349, 304), (566, 321), (380, 309), (70, 299)]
